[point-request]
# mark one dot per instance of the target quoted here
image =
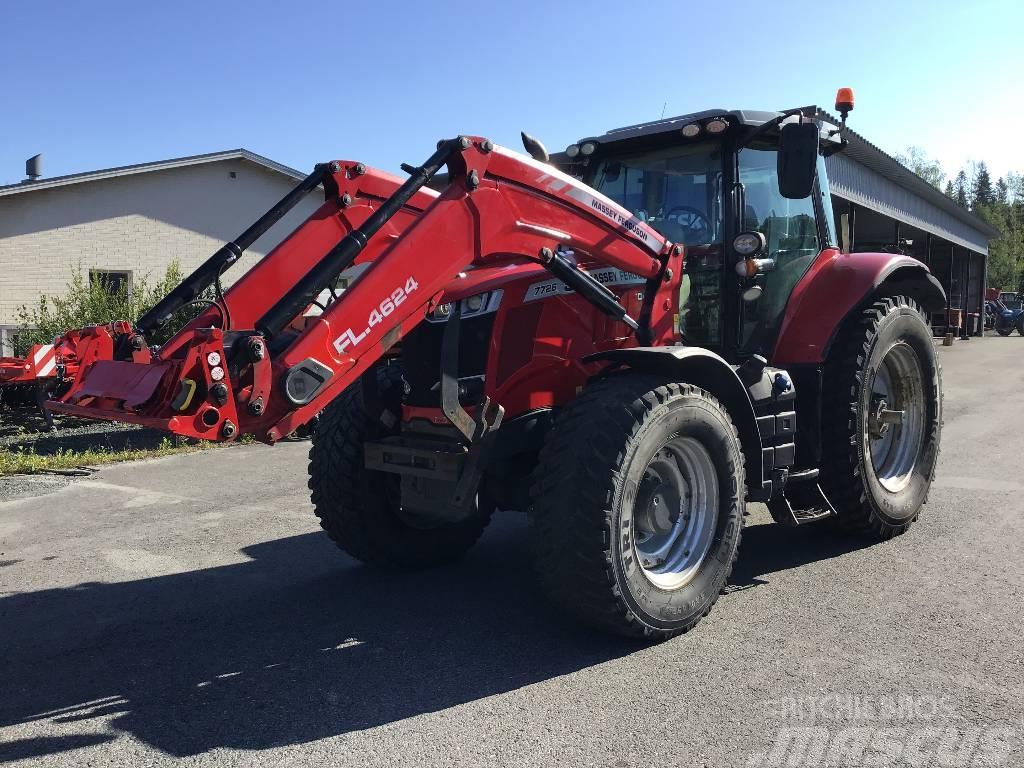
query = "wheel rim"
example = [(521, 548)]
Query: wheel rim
[(896, 417), (675, 512)]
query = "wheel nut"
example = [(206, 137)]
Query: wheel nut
[(228, 430)]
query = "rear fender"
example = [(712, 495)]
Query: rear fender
[(704, 369), (836, 286)]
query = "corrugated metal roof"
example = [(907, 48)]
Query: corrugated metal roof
[(865, 175), (159, 165)]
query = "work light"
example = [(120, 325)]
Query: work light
[(748, 243)]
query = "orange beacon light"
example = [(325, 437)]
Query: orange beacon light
[(844, 102)]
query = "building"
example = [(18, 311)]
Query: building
[(890, 208), (123, 223)]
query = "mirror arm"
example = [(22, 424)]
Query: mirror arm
[(739, 203), (763, 128), (831, 149)]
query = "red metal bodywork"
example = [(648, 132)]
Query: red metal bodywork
[(834, 285), (473, 237), (44, 363)]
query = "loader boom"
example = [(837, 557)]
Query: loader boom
[(258, 378)]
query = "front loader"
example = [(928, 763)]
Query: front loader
[(629, 358)]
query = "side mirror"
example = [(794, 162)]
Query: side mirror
[(798, 159)]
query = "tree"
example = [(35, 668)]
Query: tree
[(982, 193), (960, 187), (928, 169), (1002, 191), (88, 301), (1003, 253)]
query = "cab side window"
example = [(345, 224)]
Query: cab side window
[(791, 233)]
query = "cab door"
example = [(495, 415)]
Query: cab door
[(795, 231)]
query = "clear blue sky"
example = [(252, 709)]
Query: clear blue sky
[(97, 84)]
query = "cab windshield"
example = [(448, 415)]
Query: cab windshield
[(677, 191)]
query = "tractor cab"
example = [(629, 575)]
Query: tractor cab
[(745, 192)]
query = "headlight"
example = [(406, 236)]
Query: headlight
[(748, 243), (716, 125), (753, 293), (471, 306), (572, 150), (588, 148), (690, 130)]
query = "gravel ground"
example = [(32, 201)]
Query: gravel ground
[(24, 428), (188, 610)]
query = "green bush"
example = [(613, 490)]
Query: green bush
[(88, 302)]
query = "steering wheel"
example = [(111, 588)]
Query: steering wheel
[(694, 220)]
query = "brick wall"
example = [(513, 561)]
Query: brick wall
[(137, 223)]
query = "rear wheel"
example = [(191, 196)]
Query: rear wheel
[(638, 506), (1020, 324), (360, 509), (881, 418), (1004, 330)]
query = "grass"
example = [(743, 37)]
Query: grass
[(22, 462)]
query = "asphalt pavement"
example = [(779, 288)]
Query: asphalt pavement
[(189, 610)]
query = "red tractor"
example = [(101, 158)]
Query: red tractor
[(630, 358)]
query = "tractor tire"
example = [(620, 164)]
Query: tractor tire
[(881, 418), (637, 506), (1004, 330), (361, 509)]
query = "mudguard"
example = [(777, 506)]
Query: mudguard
[(836, 285), (705, 369)]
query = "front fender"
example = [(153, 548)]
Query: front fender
[(836, 286), (704, 369)]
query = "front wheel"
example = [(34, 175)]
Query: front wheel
[(638, 506), (360, 509), (882, 418), (1004, 330)]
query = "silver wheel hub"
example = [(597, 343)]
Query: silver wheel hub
[(895, 421), (675, 512)]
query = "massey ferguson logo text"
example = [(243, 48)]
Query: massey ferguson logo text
[(631, 224)]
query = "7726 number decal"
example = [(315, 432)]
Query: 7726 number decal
[(350, 339)]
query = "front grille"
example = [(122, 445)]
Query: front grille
[(421, 359)]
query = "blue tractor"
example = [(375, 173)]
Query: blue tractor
[(1003, 319)]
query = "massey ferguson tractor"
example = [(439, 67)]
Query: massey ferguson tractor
[(630, 356)]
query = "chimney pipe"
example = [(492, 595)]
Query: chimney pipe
[(34, 167)]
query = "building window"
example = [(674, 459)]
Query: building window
[(115, 281)]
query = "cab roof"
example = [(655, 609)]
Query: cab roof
[(747, 117)]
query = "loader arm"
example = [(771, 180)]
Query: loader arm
[(499, 207)]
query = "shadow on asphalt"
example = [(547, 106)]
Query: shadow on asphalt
[(299, 644), (772, 548)]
